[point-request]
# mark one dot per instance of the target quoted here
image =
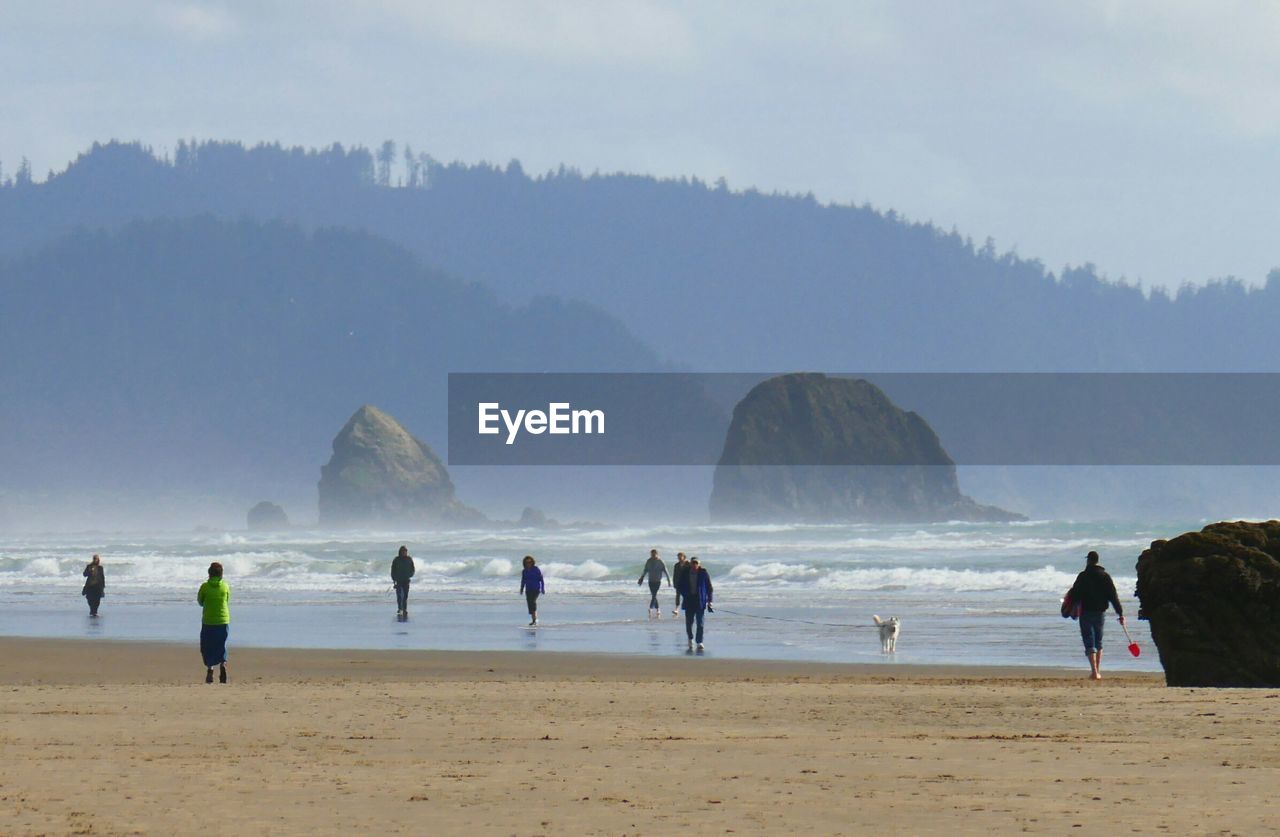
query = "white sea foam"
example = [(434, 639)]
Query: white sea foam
[(1042, 580), (773, 571), (498, 567), (588, 570)]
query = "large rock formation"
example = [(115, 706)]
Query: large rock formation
[(267, 517), (805, 447), (380, 475), (1213, 600)]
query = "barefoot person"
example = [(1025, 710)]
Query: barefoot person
[(696, 594), (95, 584), (655, 571), (1095, 590), (678, 572), (215, 598), (532, 587), (402, 570)]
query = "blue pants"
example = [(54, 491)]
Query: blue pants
[(654, 587), (402, 595), (690, 616), (213, 644), (1091, 630)]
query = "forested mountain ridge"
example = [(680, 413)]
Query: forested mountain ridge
[(226, 354), (710, 277)]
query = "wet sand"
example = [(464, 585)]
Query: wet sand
[(115, 737)]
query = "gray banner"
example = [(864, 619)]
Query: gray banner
[(980, 418)]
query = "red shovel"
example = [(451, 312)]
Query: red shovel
[(1133, 646)]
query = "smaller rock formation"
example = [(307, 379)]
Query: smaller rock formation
[(532, 518), (808, 448), (1213, 600), (267, 517), (380, 475)]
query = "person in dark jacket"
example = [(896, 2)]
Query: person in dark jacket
[(95, 585), (696, 595), (678, 572), (531, 585), (1095, 591), (402, 570), (655, 571)]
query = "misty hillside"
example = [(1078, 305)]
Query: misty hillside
[(709, 277), (225, 356)]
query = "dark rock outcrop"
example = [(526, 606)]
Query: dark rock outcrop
[(808, 448), (1213, 600), (532, 518), (267, 517), (381, 475)]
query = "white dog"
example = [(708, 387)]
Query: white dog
[(889, 630)]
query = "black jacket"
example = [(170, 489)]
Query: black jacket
[(678, 573), (1094, 589), (95, 579), (402, 569)]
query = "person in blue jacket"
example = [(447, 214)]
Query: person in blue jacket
[(531, 585), (695, 594)]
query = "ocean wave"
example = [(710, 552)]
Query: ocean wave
[(1043, 580), (498, 567), (588, 570), (773, 571)]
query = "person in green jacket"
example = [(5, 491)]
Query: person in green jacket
[(214, 597)]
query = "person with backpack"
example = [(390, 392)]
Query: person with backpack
[(402, 570), (1094, 591)]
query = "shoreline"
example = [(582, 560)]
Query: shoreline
[(74, 661)]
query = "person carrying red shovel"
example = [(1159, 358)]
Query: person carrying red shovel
[(1095, 591)]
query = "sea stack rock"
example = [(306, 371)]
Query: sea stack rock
[(808, 448), (267, 517), (1213, 600), (380, 475)]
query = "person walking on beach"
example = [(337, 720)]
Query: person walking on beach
[(696, 595), (655, 571), (402, 570), (1095, 590), (678, 572), (215, 597), (95, 584), (532, 587)]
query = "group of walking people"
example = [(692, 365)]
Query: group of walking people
[(1093, 589), (693, 588), (690, 579)]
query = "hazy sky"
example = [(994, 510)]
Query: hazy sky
[(1143, 135)]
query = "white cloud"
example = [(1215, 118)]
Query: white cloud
[(1218, 60), (561, 31), (197, 21)]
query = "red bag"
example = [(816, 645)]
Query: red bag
[(1070, 607)]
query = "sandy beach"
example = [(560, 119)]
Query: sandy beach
[(115, 737)]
